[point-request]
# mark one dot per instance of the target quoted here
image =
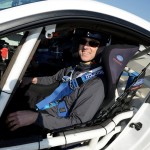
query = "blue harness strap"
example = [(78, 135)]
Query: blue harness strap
[(66, 88), (52, 100)]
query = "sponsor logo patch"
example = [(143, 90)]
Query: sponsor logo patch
[(119, 58)]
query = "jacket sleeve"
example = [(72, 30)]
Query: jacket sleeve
[(89, 99), (51, 79)]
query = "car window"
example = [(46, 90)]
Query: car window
[(51, 55), (4, 4), (8, 46)]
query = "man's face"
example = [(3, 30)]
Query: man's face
[(87, 49)]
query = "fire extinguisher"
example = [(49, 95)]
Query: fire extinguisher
[(4, 52)]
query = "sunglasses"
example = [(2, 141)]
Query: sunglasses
[(91, 43)]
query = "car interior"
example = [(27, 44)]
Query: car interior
[(51, 53)]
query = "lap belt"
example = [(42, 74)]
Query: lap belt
[(66, 88)]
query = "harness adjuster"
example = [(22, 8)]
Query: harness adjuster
[(52, 104), (66, 78), (73, 84)]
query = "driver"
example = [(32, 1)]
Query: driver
[(81, 104)]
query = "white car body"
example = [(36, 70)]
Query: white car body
[(33, 17)]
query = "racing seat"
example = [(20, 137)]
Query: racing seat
[(114, 60)]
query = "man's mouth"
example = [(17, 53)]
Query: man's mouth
[(86, 53)]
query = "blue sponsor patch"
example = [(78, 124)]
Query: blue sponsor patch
[(93, 74)]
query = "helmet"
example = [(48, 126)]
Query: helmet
[(82, 32), (88, 33)]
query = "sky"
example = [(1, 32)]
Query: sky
[(140, 8)]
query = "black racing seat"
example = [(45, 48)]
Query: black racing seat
[(114, 60)]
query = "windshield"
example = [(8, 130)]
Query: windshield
[(4, 4)]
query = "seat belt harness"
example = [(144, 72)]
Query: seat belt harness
[(66, 88)]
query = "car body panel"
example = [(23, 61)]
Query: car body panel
[(43, 7), (135, 139)]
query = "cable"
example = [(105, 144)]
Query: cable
[(39, 142), (104, 128), (114, 122), (65, 139), (6, 92)]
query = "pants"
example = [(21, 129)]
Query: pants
[(25, 98)]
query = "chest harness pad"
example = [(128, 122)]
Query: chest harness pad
[(66, 88)]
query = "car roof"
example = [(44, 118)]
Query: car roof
[(58, 5)]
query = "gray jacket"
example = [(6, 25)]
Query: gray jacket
[(83, 102)]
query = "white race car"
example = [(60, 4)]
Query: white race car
[(34, 39)]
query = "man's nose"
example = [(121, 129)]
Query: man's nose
[(86, 44)]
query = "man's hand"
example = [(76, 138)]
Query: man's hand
[(34, 80), (21, 118)]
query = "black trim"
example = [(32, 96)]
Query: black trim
[(148, 99)]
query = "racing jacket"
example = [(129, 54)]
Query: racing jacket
[(82, 103)]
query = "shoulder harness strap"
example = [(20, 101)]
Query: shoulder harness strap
[(67, 87)]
